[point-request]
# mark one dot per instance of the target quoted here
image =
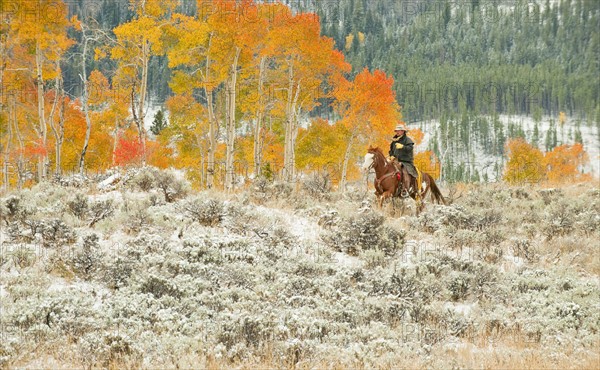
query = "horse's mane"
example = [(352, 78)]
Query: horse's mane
[(376, 150)]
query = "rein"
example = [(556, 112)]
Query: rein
[(379, 180)]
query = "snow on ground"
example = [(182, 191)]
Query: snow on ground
[(347, 261), (484, 163), (301, 227), (109, 181), (233, 294), (464, 309)]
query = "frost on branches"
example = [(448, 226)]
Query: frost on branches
[(143, 274)]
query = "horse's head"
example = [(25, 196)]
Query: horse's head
[(369, 161)]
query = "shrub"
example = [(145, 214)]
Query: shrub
[(587, 222), (145, 179), (550, 195), (559, 219), (109, 350), (373, 258), (100, 210), (56, 233), (318, 186), (88, 259), (403, 285), (328, 219), (15, 209), (365, 231), (490, 253), (23, 256), (137, 219), (454, 215), (523, 248), (79, 206), (160, 286), (171, 187), (74, 181), (207, 212), (462, 238), (194, 251), (116, 275), (487, 219), (459, 286)]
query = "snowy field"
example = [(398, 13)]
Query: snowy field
[(565, 135), (110, 274)]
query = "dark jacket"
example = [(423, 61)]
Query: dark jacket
[(404, 155)]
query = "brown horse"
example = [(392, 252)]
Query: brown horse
[(389, 180)]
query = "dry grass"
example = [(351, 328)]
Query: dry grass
[(519, 215)]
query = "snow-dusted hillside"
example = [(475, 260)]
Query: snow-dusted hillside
[(484, 163), (117, 276)]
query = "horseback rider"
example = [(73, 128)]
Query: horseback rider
[(401, 148)]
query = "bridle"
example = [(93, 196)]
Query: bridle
[(378, 180)]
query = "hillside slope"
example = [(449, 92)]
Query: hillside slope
[(107, 273)]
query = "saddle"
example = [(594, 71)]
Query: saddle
[(419, 179)]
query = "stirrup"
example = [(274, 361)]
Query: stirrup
[(404, 193)]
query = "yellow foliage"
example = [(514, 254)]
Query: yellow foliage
[(428, 162), (349, 40), (361, 38), (525, 162), (320, 144), (562, 118), (187, 131)]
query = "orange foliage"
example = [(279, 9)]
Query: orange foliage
[(416, 135), (563, 162), (158, 155), (368, 104), (273, 150), (36, 149), (129, 151)]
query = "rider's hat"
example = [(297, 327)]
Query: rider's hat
[(400, 127)]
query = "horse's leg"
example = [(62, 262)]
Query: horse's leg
[(424, 189), (385, 196), (402, 207), (413, 195)]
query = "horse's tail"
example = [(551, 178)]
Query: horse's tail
[(436, 194)]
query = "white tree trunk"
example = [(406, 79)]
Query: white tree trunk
[(41, 111), (291, 128), (61, 136), (86, 108), (57, 131), (212, 139), (20, 161), (141, 112), (230, 124), (212, 124), (342, 186), (258, 128), (7, 147), (116, 135)]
